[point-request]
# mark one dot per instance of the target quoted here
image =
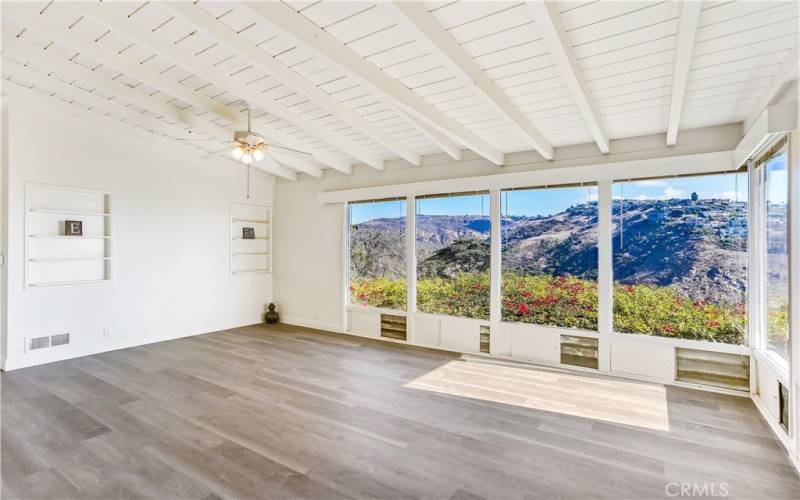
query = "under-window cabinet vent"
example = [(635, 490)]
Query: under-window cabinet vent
[(783, 405), (393, 327), (579, 351), (49, 341), (718, 369), (485, 332)]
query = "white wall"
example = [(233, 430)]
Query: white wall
[(308, 247), (170, 217)]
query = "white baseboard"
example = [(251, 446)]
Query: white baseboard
[(27, 360), (312, 323), (777, 431)]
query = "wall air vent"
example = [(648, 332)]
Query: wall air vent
[(38, 343), (579, 351), (48, 341), (393, 327), (718, 369), (60, 339), (485, 332)]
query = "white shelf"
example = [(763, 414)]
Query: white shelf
[(64, 211), (68, 259), (62, 236), (68, 283), (251, 271), (254, 257), (251, 221), (48, 260)]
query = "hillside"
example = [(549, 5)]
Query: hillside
[(698, 246)]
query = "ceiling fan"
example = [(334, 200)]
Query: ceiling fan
[(248, 146)]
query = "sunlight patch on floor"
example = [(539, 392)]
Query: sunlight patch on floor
[(605, 399)]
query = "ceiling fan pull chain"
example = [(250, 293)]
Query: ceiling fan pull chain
[(248, 181)]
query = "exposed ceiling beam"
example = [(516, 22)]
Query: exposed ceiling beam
[(70, 71), (286, 20), (143, 35), (551, 28), (18, 49), (786, 74), (50, 83), (109, 107), (123, 63), (684, 45), (207, 23), (107, 122), (300, 162), (431, 33)]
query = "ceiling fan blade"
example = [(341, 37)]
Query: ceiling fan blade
[(289, 149)]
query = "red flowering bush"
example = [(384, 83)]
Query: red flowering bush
[(550, 300)]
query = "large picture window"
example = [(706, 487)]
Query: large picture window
[(776, 265), (453, 253), (377, 254), (549, 256), (680, 257)]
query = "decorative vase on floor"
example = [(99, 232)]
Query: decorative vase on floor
[(271, 316)]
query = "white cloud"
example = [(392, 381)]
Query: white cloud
[(591, 197), (650, 182), (672, 193)]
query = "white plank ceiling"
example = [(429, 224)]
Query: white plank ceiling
[(347, 83)]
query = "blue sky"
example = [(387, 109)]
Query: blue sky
[(728, 186), (555, 200)]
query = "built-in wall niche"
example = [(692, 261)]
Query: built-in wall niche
[(251, 239), (68, 236)]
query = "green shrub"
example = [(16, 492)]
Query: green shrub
[(666, 312), (379, 292), (466, 295), (572, 303)]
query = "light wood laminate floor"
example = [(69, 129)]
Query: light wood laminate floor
[(284, 412)]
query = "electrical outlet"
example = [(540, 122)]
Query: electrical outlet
[(106, 333)]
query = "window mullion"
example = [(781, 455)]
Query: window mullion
[(605, 279)]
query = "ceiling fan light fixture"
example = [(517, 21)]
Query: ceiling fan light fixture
[(237, 152)]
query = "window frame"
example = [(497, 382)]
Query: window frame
[(758, 323), (750, 213), (565, 330), (347, 237), (412, 235), (696, 164)]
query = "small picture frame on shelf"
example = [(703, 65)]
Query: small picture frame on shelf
[(248, 233), (73, 228)]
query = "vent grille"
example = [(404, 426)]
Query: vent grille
[(579, 351), (718, 369), (60, 339), (47, 341), (38, 343), (783, 404), (485, 335), (393, 327)]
